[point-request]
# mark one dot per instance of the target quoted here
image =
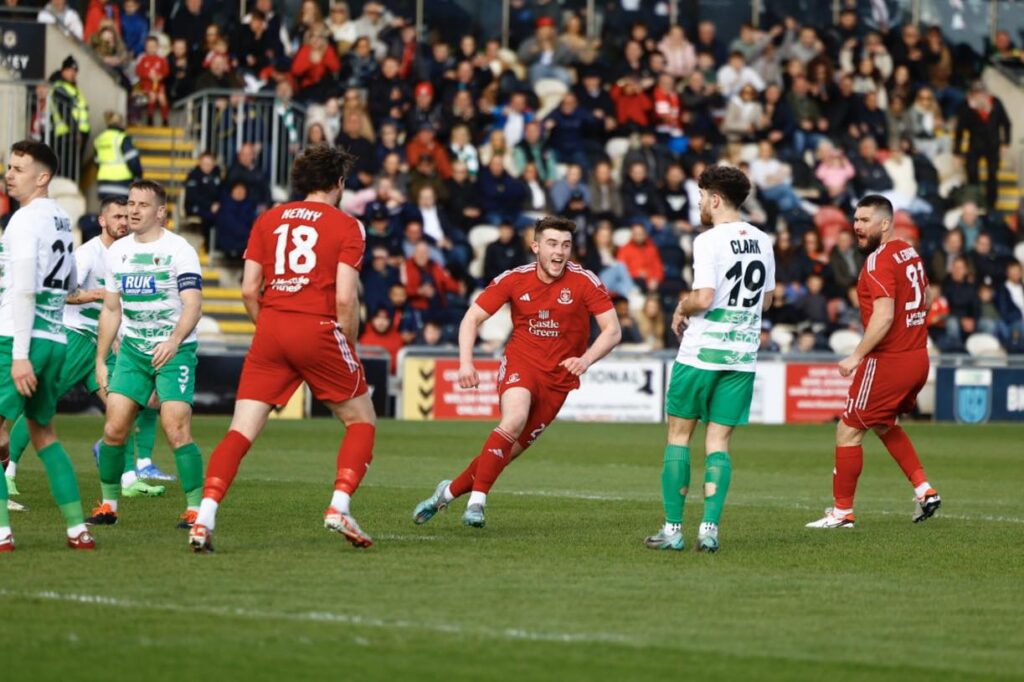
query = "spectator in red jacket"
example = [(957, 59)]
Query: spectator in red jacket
[(642, 259), (97, 11), (153, 70), (380, 332), (315, 66), (633, 107), (668, 111), (427, 282), (425, 144)]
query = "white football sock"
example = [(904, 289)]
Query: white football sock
[(920, 490), (75, 531), (207, 513), (127, 478), (447, 496), (672, 528), (12, 469), (841, 512), (708, 529), (477, 497), (143, 462), (341, 501), (5, 531)]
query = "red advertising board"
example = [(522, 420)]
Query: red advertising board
[(815, 392), (452, 402)]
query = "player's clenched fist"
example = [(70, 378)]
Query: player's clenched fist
[(468, 376), (848, 365), (576, 366)]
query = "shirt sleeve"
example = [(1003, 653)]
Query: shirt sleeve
[(254, 250), (496, 294), (881, 275), (22, 242), (769, 264), (188, 270), (703, 263), (84, 264), (595, 295), (109, 282), (353, 244)]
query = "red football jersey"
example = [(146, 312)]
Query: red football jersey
[(894, 270), (550, 322), (299, 246)]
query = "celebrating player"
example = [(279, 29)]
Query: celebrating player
[(713, 376), (81, 319), (891, 363), (154, 284), (38, 269), (552, 301), (305, 256)]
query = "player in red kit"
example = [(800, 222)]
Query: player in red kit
[(552, 301), (305, 256), (890, 364)]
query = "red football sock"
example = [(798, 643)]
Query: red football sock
[(223, 466), (463, 483), (494, 457), (354, 456), (902, 450), (849, 462)]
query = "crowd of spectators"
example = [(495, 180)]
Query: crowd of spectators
[(458, 137)]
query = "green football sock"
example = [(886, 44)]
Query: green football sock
[(146, 438), (112, 459), (717, 474), (5, 515), (19, 438), (63, 484), (190, 472), (675, 481), (129, 452)]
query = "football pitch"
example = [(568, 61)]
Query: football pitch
[(557, 587)]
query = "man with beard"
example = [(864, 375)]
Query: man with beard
[(552, 301), (890, 364), (713, 376)]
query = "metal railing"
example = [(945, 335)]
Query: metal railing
[(222, 121), (35, 111)]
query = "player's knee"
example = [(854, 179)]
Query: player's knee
[(115, 434), (178, 435), (513, 424)]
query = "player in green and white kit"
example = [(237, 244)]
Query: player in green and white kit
[(713, 376), (36, 271), (154, 284), (81, 319)]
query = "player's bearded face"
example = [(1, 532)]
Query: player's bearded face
[(116, 222), (553, 250), (705, 209), (867, 226)]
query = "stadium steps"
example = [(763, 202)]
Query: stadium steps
[(1008, 200)]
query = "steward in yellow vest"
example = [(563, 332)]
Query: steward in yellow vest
[(117, 159)]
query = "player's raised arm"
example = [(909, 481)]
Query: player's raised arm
[(347, 300), (607, 339), (252, 285), (468, 329)]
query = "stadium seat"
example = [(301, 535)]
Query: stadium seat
[(951, 218), (497, 328), (1018, 252), (843, 341), (905, 228), (616, 149), (981, 345), (550, 93), (926, 398), (66, 193), (828, 215), (782, 335), (620, 237), (479, 237)]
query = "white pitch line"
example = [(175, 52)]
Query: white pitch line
[(458, 630)]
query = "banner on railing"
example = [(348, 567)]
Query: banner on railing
[(23, 50), (976, 395), (815, 392)]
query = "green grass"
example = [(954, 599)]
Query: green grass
[(558, 586)]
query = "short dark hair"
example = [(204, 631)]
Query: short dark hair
[(320, 168), (555, 222), (728, 182), (40, 153), (877, 202), (151, 186), (115, 200)]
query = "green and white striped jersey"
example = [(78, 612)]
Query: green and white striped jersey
[(149, 277), (89, 261), (736, 260), (40, 231)]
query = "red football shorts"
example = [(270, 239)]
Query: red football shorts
[(545, 402), (288, 349), (884, 387)]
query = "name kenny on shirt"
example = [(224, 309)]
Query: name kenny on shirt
[(301, 214)]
